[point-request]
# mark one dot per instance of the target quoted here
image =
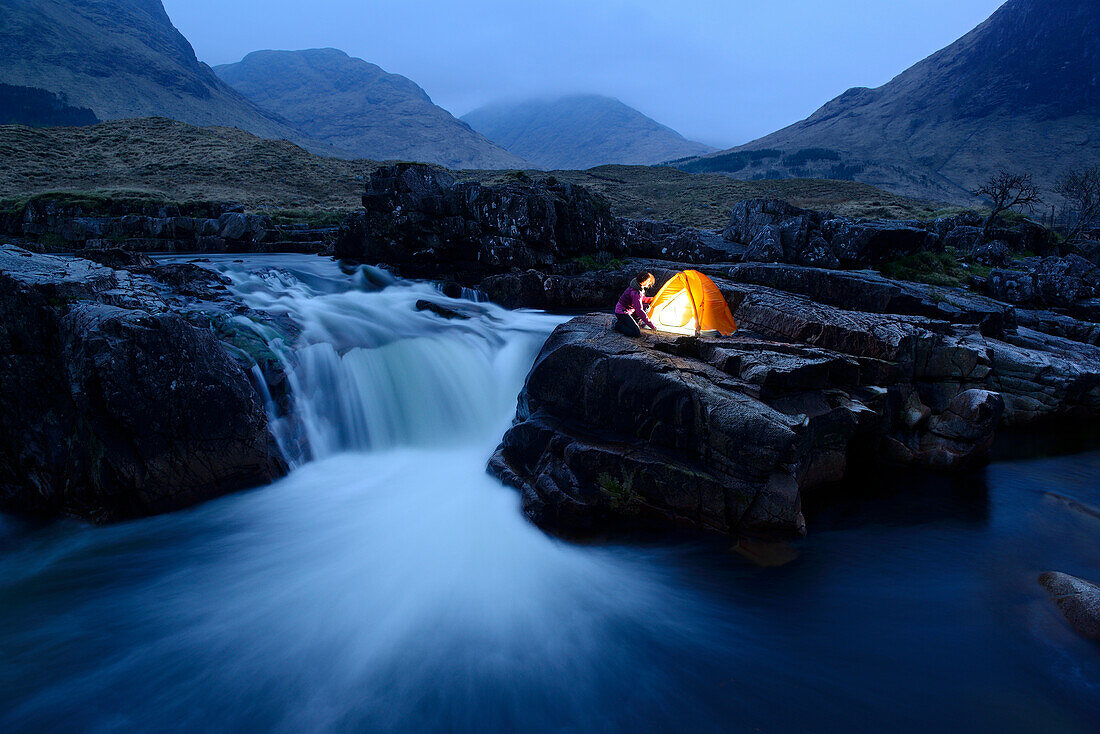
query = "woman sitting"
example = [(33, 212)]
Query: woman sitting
[(630, 308)]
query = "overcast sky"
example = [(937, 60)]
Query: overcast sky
[(720, 71)]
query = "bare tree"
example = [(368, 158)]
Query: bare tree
[(1006, 191), (1081, 190)]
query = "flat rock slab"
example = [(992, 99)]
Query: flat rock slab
[(1078, 600)]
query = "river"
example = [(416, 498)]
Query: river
[(389, 584)]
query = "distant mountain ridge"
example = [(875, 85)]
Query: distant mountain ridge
[(121, 59), (580, 132), (1021, 91), (360, 109)]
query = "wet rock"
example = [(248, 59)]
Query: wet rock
[(111, 411), (1077, 599), (116, 257), (723, 434), (447, 313), (534, 289)]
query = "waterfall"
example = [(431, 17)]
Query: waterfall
[(369, 371)]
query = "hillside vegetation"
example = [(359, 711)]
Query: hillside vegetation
[(172, 160)]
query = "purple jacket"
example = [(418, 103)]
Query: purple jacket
[(630, 303)]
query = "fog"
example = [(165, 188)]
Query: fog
[(723, 72)]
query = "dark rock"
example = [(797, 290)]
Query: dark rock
[(1090, 251), (533, 289), (723, 434), (118, 258), (424, 224), (869, 291), (749, 218), (775, 231), (667, 241), (111, 412), (862, 243), (1077, 599), (447, 313), (189, 279), (766, 246), (992, 253)]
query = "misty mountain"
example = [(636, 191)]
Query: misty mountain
[(360, 109), (1021, 92), (117, 59), (580, 132)]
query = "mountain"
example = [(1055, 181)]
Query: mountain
[(1019, 92), (360, 109), (119, 59), (580, 132)]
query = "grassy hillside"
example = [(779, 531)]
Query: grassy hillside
[(171, 160), (705, 200)]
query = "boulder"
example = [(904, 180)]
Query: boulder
[(1077, 599), (721, 434), (110, 411), (534, 289), (861, 243), (421, 222)]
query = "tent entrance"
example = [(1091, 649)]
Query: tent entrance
[(676, 315)]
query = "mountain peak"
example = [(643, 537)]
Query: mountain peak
[(579, 131), (361, 109), (87, 50), (1021, 91)]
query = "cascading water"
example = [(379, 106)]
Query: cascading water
[(389, 584), (369, 370)]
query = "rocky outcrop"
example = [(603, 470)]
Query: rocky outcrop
[(424, 224), (112, 404), (774, 231), (1070, 283), (726, 434), (65, 224), (1078, 600)]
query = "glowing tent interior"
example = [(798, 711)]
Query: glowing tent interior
[(690, 303)]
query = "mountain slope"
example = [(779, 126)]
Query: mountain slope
[(360, 109), (121, 59), (1021, 91), (579, 132)]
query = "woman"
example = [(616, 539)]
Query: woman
[(630, 308)]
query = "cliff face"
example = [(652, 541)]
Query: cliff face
[(361, 110), (1021, 91), (122, 59)]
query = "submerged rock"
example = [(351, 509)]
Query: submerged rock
[(111, 405), (1078, 600)]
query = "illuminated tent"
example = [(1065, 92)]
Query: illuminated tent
[(690, 304)]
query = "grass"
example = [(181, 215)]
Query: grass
[(594, 262), (312, 218), (159, 160), (933, 268), (621, 496)]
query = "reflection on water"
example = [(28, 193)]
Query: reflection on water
[(391, 585)]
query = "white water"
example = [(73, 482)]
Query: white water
[(384, 582), (390, 584)]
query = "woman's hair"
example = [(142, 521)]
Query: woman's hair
[(642, 278)]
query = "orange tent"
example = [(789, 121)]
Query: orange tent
[(690, 304)]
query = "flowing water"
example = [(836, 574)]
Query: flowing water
[(389, 584)]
